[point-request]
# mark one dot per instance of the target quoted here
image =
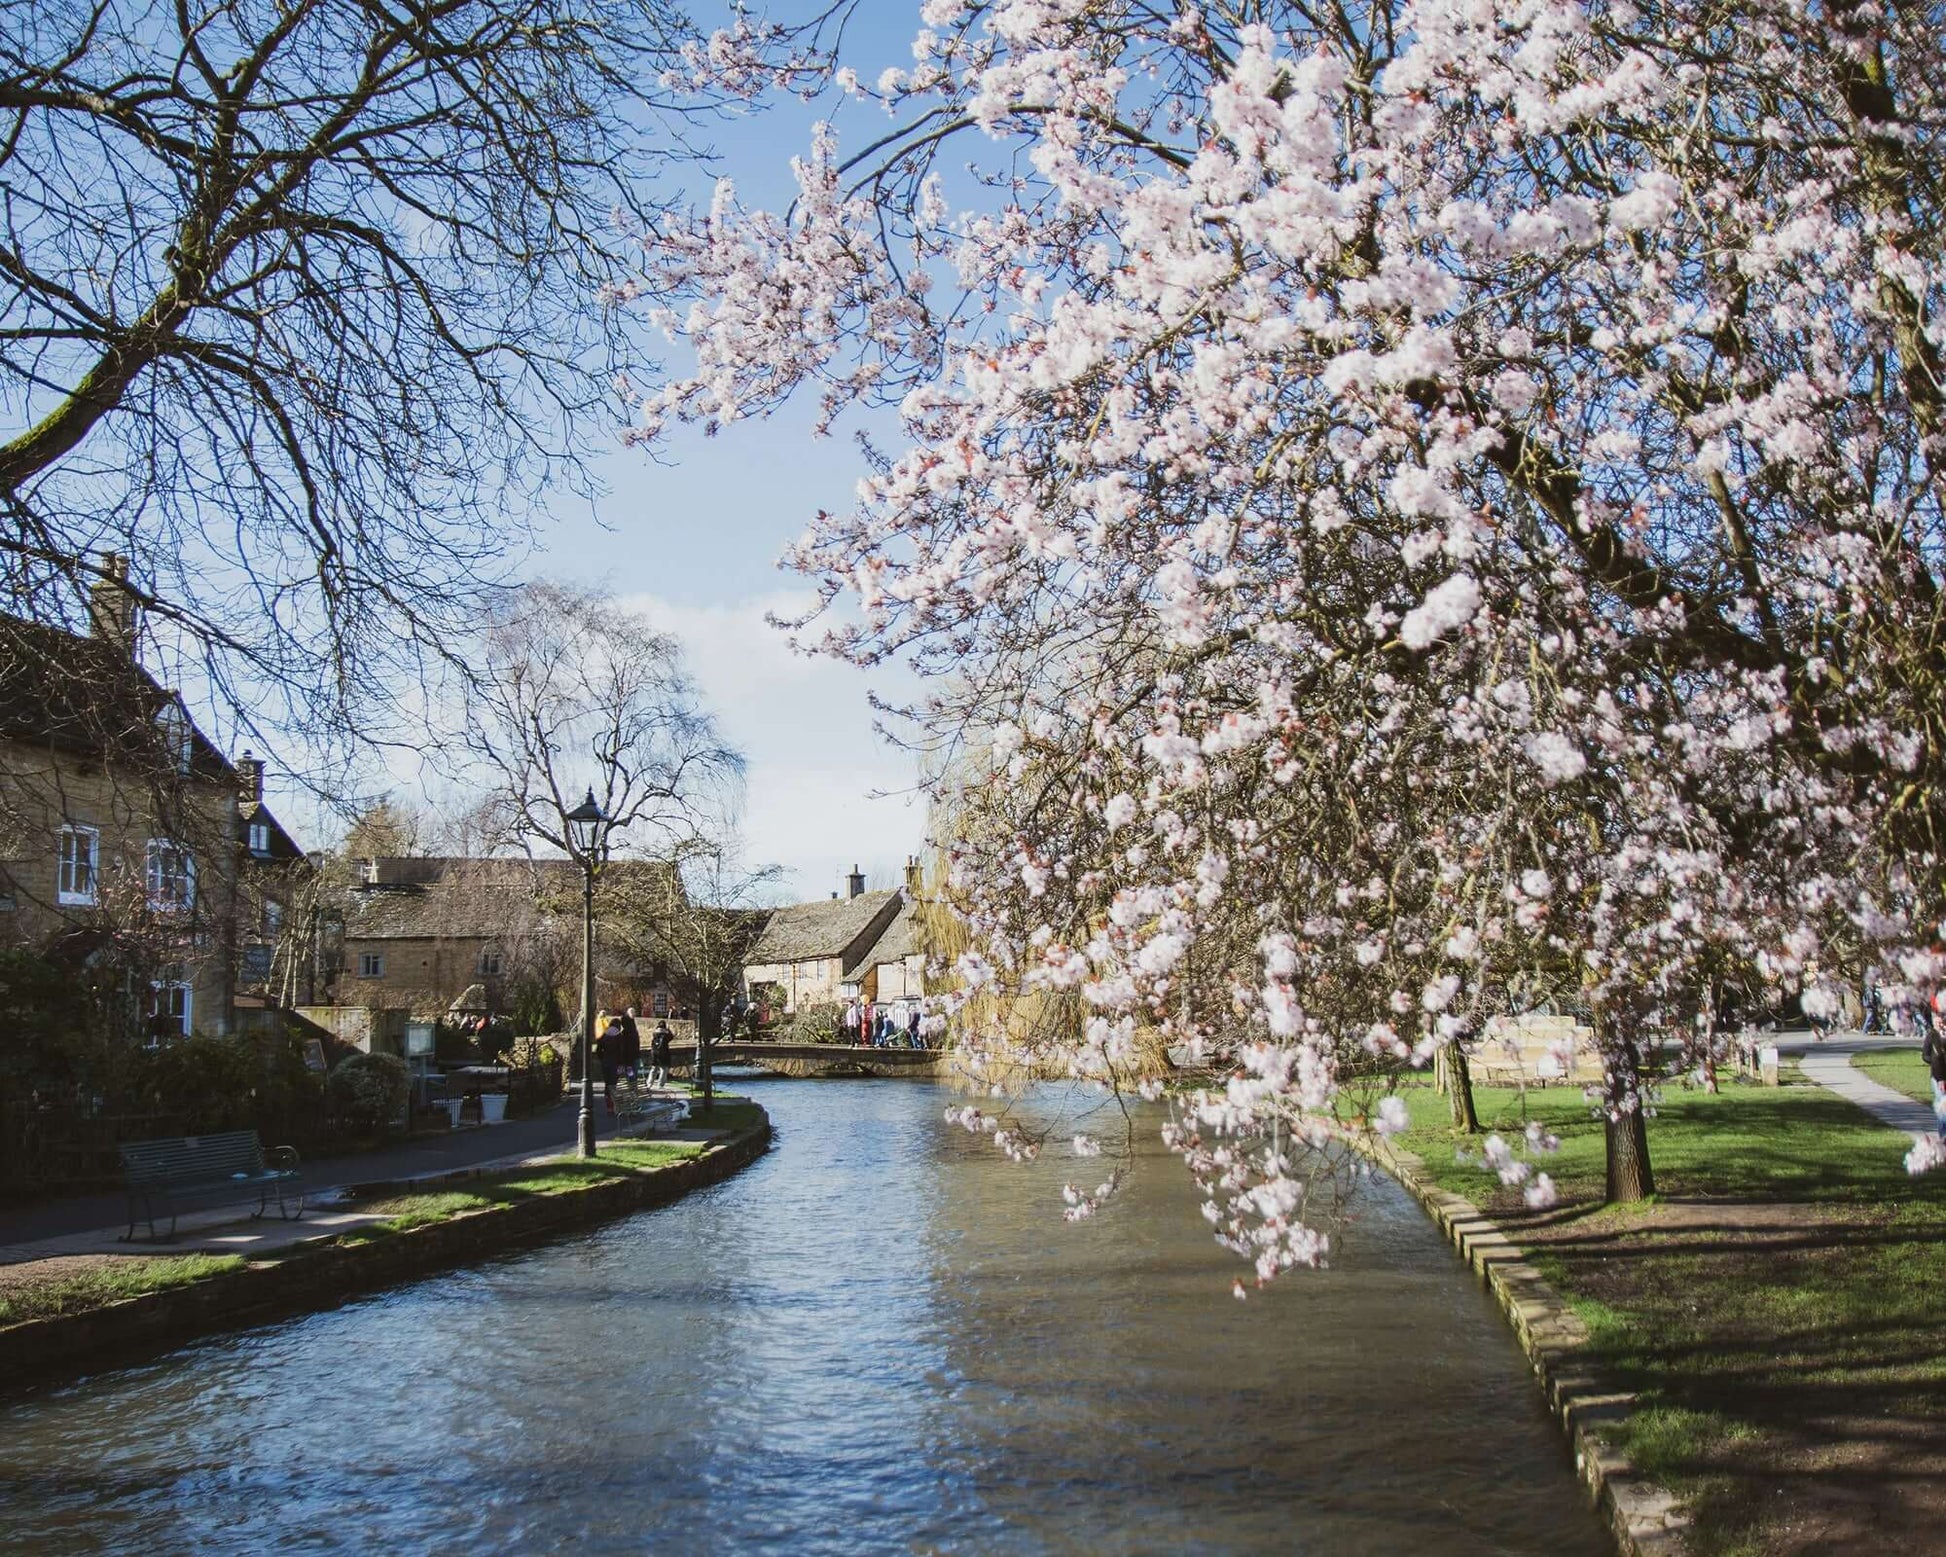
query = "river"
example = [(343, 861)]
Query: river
[(881, 1337)]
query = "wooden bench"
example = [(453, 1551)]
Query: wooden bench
[(164, 1176)]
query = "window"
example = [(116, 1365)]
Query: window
[(490, 963), (659, 1002), (371, 965), (260, 837), (172, 876), (171, 1005), (178, 743), (273, 918), (80, 853)]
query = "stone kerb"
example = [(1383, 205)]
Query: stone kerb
[(1643, 1517), (320, 1276)]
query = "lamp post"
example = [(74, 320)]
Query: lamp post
[(585, 824)]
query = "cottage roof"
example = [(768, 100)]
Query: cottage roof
[(898, 940), (449, 897), (830, 927), (90, 695)]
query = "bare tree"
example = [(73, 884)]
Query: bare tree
[(296, 311), (576, 695)]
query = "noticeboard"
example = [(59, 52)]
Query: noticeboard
[(418, 1040)]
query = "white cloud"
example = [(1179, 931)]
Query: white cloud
[(804, 725)]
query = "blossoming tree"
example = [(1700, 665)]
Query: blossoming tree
[(1408, 502)]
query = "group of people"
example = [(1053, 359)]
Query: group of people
[(618, 1050), (893, 1025)]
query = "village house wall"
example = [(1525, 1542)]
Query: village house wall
[(49, 791)]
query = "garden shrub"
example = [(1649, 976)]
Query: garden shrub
[(367, 1092)]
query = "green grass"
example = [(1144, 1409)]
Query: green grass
[(1788, 1276), (1900, 1069), (1795, 1142), (110, 1284), (618, 1159), (730, 1113)]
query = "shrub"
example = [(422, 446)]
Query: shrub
[(537, 1076), (368, 1091), (206, 1084), (818, 1024)]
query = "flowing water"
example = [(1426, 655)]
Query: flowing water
[(880, 1337)]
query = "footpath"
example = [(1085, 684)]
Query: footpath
[(80, 1301), (420, 1157), (1829, 1065)]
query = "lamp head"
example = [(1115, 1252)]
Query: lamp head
[(585, 822)]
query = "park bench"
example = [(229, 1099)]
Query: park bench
[(636, 1105), (164, 1176)]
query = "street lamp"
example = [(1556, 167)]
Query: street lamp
[(585, 824)]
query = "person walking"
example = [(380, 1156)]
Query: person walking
[(912, 1028), (1934, 1054), (849, 1027), (631, 1043), (659, 1055), (608, 1053)]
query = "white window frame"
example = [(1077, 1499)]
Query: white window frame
[(175, 987), (181, 883), (85, 895), (260, 837), (371, 965)]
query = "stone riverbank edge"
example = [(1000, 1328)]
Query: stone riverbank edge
[(1644, 1518), (65, 1346)]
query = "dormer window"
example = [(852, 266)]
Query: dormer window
[(259, 837), (178, 741)]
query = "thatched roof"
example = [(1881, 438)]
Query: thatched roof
[(832, 927)]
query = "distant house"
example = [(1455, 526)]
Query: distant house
[(894, 966), (425, 932), (276, 898), (121, 827), (826, 951)]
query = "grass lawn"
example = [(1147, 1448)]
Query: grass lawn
[(618, 1159), (1900, 1069), (1779, 1307), (107, 1282)]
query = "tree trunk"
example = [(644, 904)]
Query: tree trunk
[(1459, 1081), (1630, 1176)]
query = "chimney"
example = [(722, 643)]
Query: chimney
[(249, 780), (111, 608), (915, 877), (855, 883)]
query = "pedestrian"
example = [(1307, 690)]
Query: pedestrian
[(659, 1055), (912, 1027), (850, 1025), (631, 1043), (1934, 1054), (608, 1052)]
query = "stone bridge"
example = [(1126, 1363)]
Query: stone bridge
[(812, 1059)]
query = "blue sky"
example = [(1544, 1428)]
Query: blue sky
[(694, 540)]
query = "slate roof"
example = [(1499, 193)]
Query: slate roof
[(88, 695), (831, 927), (899, 940), (449, 897)]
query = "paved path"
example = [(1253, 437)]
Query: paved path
[(1829, 1065), (427, 1155)]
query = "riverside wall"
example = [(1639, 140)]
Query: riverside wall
[(69, 1345)]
